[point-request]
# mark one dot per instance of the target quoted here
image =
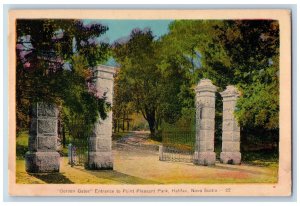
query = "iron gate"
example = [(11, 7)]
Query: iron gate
[(78, 152), (178, 146)]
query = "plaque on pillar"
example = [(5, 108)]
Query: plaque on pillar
[(42, 155), (205, 123), (230, 129)]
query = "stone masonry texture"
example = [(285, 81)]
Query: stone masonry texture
[(42, 144), (205, 123), (100, 142), (230, 129)]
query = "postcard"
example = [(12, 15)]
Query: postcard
[(150, 102)]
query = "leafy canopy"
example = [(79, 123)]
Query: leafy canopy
[(54, 61)]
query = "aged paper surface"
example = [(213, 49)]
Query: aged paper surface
[(281, 188)]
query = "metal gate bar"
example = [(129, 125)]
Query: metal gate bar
[(178, 146)]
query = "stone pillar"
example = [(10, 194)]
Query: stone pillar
[(230, 129), (42, 155), (205, 123), (100, 142)]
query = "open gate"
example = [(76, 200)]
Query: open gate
[(178, 145), (78, 152)]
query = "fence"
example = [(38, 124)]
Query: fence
[(178, 146), (78, 152)]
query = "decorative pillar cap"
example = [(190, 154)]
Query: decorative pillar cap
[(105, 68), (205, 85), (230, 91), (103, 71)]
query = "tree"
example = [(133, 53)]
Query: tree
[(253, 50), (140, 75), (54, 61), (185, 43), (148, 80), (122, 105), (239, 52)]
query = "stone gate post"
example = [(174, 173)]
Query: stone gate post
[(100, 142), (230, 129), (205, 123), (42, 144)]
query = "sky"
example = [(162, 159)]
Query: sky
[(118, 29), (122, 28)]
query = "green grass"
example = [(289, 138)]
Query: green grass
[(22, 144), (261, 157), (76, 175), (22, 138), (64, 152)]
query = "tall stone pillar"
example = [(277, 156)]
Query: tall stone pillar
[(205, 123), (230, 129), (100, 142), (42, 155)]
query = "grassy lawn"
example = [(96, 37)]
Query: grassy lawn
[(75, 175)]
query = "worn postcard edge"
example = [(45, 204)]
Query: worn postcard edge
[(282, 188)]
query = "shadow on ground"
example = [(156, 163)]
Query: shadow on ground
[(118, 176), (225, 167), (53, 178)]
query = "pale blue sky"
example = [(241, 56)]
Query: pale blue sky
[(122, 28)]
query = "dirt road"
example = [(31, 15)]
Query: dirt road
[(136, 162)]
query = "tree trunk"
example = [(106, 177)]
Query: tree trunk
[(118, 126), (123, 126), (127, 121), (152, 126)]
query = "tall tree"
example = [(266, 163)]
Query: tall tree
[(54, 61), (122, 105), (240, 52), (148, 80), (140, 74), (253, 50)]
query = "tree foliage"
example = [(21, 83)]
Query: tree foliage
[(241, 52), (54, 61), (159, 76), (253, 51), (147, 79), (244, 53)]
